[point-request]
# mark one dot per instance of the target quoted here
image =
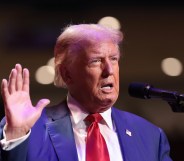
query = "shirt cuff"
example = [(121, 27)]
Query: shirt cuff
[(10, 144)]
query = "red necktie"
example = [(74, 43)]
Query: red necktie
[(96, 148)]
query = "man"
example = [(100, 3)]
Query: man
[(87, 64)]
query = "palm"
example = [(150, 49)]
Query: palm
[(19, 111)]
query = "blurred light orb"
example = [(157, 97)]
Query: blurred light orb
[(171, 66), (45, 75), (51, 62), (111, 22)]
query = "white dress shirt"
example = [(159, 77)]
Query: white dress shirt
[(107, 129)]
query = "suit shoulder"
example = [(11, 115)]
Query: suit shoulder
[(133, 119)]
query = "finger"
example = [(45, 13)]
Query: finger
[(42, 103), (12, 81), (19, 80), (4, 90), (25, 80)]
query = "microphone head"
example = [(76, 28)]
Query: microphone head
[(139, 90)]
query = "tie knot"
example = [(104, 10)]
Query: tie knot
[(96, 117)]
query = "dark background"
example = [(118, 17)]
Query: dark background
[(153, 30)]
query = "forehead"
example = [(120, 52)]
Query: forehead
[(102, 48)]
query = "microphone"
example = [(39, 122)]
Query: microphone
[(147, 91)]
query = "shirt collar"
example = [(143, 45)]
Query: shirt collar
[(78, 115), (75, 108)]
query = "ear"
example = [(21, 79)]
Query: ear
[(65, 73)]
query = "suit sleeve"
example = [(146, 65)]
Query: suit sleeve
[(164, 148), (19, 153)]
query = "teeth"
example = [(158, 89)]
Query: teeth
[(106, 87)]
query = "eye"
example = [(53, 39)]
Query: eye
[(95, 61), (115, 58)]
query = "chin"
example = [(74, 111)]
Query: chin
[(103, 104), (107, 102)]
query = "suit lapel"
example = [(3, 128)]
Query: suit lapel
[(61, 133), (127, 137)]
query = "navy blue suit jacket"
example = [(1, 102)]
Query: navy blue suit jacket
[(52, 138)]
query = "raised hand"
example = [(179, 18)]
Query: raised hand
[(20, 114)]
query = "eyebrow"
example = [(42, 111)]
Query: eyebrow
[(96, 56), (96, 52)]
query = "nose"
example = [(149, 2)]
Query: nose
[(107, 69)]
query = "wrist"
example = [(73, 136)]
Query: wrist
[(15, 132)]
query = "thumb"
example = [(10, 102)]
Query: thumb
[(42, 103)]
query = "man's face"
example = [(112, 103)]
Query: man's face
[(94, 77)]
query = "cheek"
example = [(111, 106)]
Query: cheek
[(93, 77), (87, 82), (117, 80), (93, 83)]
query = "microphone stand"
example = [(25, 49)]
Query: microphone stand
[(146, 91), (174, 99), (177, 104)]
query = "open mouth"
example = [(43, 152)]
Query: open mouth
[(107, 86)]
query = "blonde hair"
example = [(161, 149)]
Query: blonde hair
[(76, 38)]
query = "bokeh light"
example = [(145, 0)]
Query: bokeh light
[(45, 75), (171, 66), (110, 22), (51, 62)]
